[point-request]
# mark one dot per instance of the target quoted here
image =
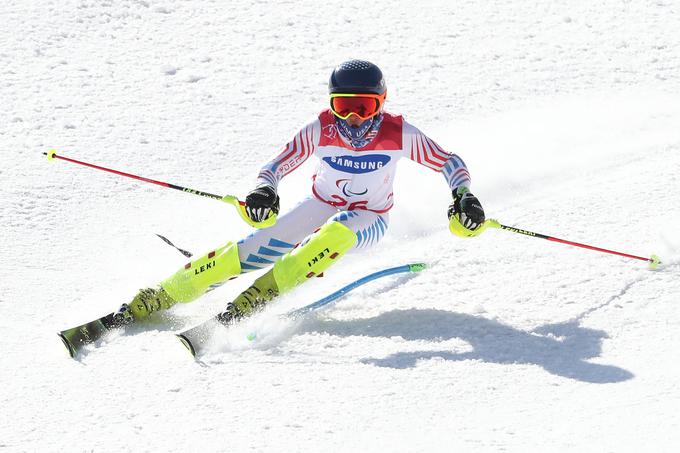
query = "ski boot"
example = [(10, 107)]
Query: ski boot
[(146, 301), (253, 299)]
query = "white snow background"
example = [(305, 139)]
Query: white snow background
[(566, 112)]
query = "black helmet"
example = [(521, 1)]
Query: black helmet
[(357, 76)]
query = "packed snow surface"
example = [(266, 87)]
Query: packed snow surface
[(568, 116)]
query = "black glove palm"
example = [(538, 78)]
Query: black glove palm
[(469, 209), (261, 202)]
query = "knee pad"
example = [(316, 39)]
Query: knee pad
[(203, 274), (323, 249)]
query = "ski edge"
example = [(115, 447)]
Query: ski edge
[(187, 344), (71, 349)]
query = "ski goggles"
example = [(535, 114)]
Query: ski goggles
[(364, 106)]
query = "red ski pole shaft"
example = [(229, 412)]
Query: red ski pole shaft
[(53, 155), (229, 199), (653, 260)]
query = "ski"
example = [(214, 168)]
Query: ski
[(415, 267), (196, 338), (75, 338)]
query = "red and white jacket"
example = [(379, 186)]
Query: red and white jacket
[(350, 178)]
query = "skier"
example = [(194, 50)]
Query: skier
[(358, 145)]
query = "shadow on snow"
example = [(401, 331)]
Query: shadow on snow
[(561, 349)]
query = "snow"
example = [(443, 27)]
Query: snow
[(567, 114)]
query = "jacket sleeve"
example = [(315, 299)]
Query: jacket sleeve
[(291, 156), (423, 150)]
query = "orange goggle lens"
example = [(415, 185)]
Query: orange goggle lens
[(364, 106)]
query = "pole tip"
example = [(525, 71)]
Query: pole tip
[(50, 154), (654, 262), (417, 267)]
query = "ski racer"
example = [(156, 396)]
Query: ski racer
[(357, 145)]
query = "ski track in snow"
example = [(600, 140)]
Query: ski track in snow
[(567, 114)]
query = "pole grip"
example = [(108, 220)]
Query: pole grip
[(241, 209)]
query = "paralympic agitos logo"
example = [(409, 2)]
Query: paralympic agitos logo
[(358, 164), (344, 185)]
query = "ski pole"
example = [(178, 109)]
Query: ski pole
[(414, 267), (653, 261), (230, 199)]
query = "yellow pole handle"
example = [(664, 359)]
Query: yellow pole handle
[(241, 209)]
